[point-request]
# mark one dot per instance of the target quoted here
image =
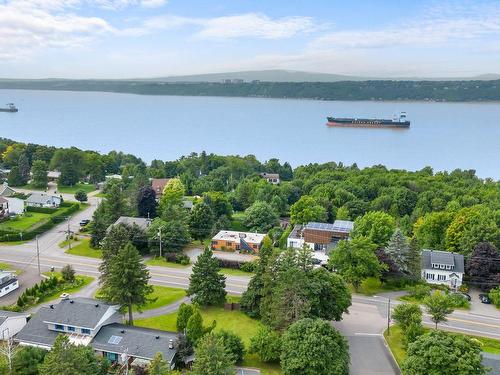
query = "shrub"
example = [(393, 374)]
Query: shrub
[(249, 266), (495, 296), (420, 291), (233, 344), (266, 344), (68, 273), (182, 259), (81, 196)]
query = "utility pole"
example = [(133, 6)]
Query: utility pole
[(159, 235), (38, 255)]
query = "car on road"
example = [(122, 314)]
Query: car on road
[(484, 298), (84, 222)]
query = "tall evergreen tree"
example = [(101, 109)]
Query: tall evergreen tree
[(146, 202), (398, 250), (100, 224), (127, 280), (206, 284), (15, 178), (24, 167), (116, 239), (212, 358), (39, 174), (414, 259), (158, 366)]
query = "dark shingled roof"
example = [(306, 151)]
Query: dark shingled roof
[(430, 257), (139, 342), (78, 312), (36, 331)]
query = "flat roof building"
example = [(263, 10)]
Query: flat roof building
[(237, 241)]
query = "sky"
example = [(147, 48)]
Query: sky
[(158, 38)]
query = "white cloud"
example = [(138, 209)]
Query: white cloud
[(153, 3)]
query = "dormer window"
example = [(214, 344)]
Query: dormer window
[(441, 266)]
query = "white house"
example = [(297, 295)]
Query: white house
[(11, 323), (15, 205), (43, 200), (273, 178), (8, 282), (442, 267)]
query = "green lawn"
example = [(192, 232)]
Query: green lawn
[(83, 281), (8, 267), (163, 263), (237, 221), (101, 195), (83, 249), (394, 340), (235, 321), (164, 296), (235, 272), (23, 222), (73, 189)]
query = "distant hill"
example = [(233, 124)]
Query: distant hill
[(276, 75)]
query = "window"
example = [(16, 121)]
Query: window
[(430, 276), (59, 327), (254, 246), (113, 357), (441, 277), (229, 243), (441, 266), (86, 331), (71, 329)]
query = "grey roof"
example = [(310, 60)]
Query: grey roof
[(78, 312), (320, 226), (296, 231), (187, 203), (41, 198), (36, 331), (8, 314), (344, 226), (137, 341), (430, 257), (141, 222)]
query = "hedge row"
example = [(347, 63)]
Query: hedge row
[(41, 210), (223, 263), (44, 225)]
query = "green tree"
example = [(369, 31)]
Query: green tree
[(158, 366), (266, 344), (307, 209), (183, 315), (69, 359), (114, 204), (201, 221), (219, 203), (206, 284), (260, 217), (116, 239), (233, 344), (24, 167), (171, 204), (212, 358), (70, 161), (494, 295), (355, 261), (39, 171), (174, 233), (27, 360), (398, 249), (127, 281), (409, 317), (15, 178), (414, 259), (378, 226), (438, 306), (81, 196), (68, 273), (445, 354), (100, 223), (430, 229), (146, 202), (314, 347)]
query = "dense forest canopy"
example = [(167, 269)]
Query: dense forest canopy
[(442, 210), (345, 90)]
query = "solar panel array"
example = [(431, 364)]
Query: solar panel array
[(319, 226), (343, 226), (115, 340)]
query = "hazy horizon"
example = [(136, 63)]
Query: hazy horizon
[(120, 39)]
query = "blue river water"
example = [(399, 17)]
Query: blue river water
[(444, 136)]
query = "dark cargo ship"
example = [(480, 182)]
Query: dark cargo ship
[(10, 108), (397, 122)]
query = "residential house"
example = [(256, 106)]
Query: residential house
[(273, 178), (142, 222), (11, 323), (43, 200), (92, 322), (158, 185), (8, 282), (442, 267), (320, 236), (53, 176), (11, 206), (237, 241), (6, 191)]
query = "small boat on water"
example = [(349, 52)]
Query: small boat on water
[(397, 122), (10, 108)]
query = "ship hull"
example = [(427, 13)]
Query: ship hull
[(366, 123), (8, 110)]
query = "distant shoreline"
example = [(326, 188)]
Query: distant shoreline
[(374, 91)]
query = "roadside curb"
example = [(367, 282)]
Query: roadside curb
[(390, 351)]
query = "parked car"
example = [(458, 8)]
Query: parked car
[(84, 222), (484, 298)]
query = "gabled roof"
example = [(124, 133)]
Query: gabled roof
[(430, 257), (270, 175), (6, 190), (78, 312), (158, 184), (141, 222), (136, 341), (36, 331), (41, 198)]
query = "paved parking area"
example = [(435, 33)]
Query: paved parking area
[(477, 307), (27, 279), (247, 371)]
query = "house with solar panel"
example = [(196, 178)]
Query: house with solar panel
[(93, 322), (320, 237), (442, 267), (229, 240)]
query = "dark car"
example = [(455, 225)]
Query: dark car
[(484, 298), (84, 222)]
